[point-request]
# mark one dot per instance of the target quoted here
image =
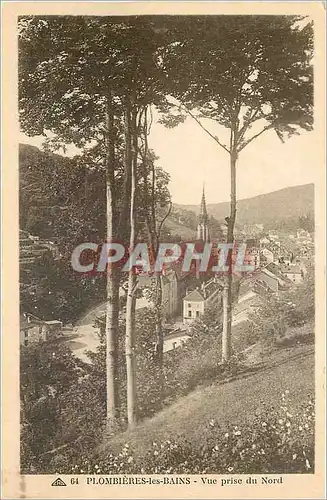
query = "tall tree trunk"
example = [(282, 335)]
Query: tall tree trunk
[(112, 308), (159, 332), (154, 240), (126, 206), (131, 162), (158, 290), (227, 292)]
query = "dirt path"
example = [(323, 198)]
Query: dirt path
[(85, 337)]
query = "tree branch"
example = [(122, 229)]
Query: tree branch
[(204, 128), (268, 127), (248, 122)]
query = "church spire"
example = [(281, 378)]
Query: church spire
[(203, 217), (203, 230)]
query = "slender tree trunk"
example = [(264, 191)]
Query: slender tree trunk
[(131, 162), (158, 320), (125, 210), (112, 308), (227, 292), (154, 237)]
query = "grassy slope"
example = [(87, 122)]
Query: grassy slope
[(230, 402)]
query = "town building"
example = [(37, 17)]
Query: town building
[(173, 283), (283, 280), (268, 254), (30, 331), (253, 252), (34, 329), (267, 279), (196, 302), (294, 273), (264, 241)]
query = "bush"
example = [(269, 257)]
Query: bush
[(298, 335), (275, 442), (60, 403), (279, 315), (196, 363)]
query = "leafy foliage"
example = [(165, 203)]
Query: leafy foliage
[(278, 440), (62, 293), (47, 371), (253, 83), (277, 315)]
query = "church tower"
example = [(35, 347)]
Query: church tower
[(203, 229)]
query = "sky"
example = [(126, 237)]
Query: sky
[(193, 158)]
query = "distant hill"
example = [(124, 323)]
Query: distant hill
[(287, 203)]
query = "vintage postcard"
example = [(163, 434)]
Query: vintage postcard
[(163, 313)]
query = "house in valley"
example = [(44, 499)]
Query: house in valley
[(265, 280), (268, 255), (30, 331), (253, 252), (196, 302), (294, 272), (34, 329)]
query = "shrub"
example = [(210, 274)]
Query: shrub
[(279, 315), (274, 442)]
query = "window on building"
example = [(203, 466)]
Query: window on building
[(189, 314), (174, 345), (197, 314), (189, 305)]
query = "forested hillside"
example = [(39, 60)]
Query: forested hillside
[(289, 203), (63, 199)]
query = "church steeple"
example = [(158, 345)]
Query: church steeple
[(203, 230)]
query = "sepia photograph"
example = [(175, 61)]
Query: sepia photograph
[(167, 243)]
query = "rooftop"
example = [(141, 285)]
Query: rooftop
[(194, 296), (205, 292), (294, 269)]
